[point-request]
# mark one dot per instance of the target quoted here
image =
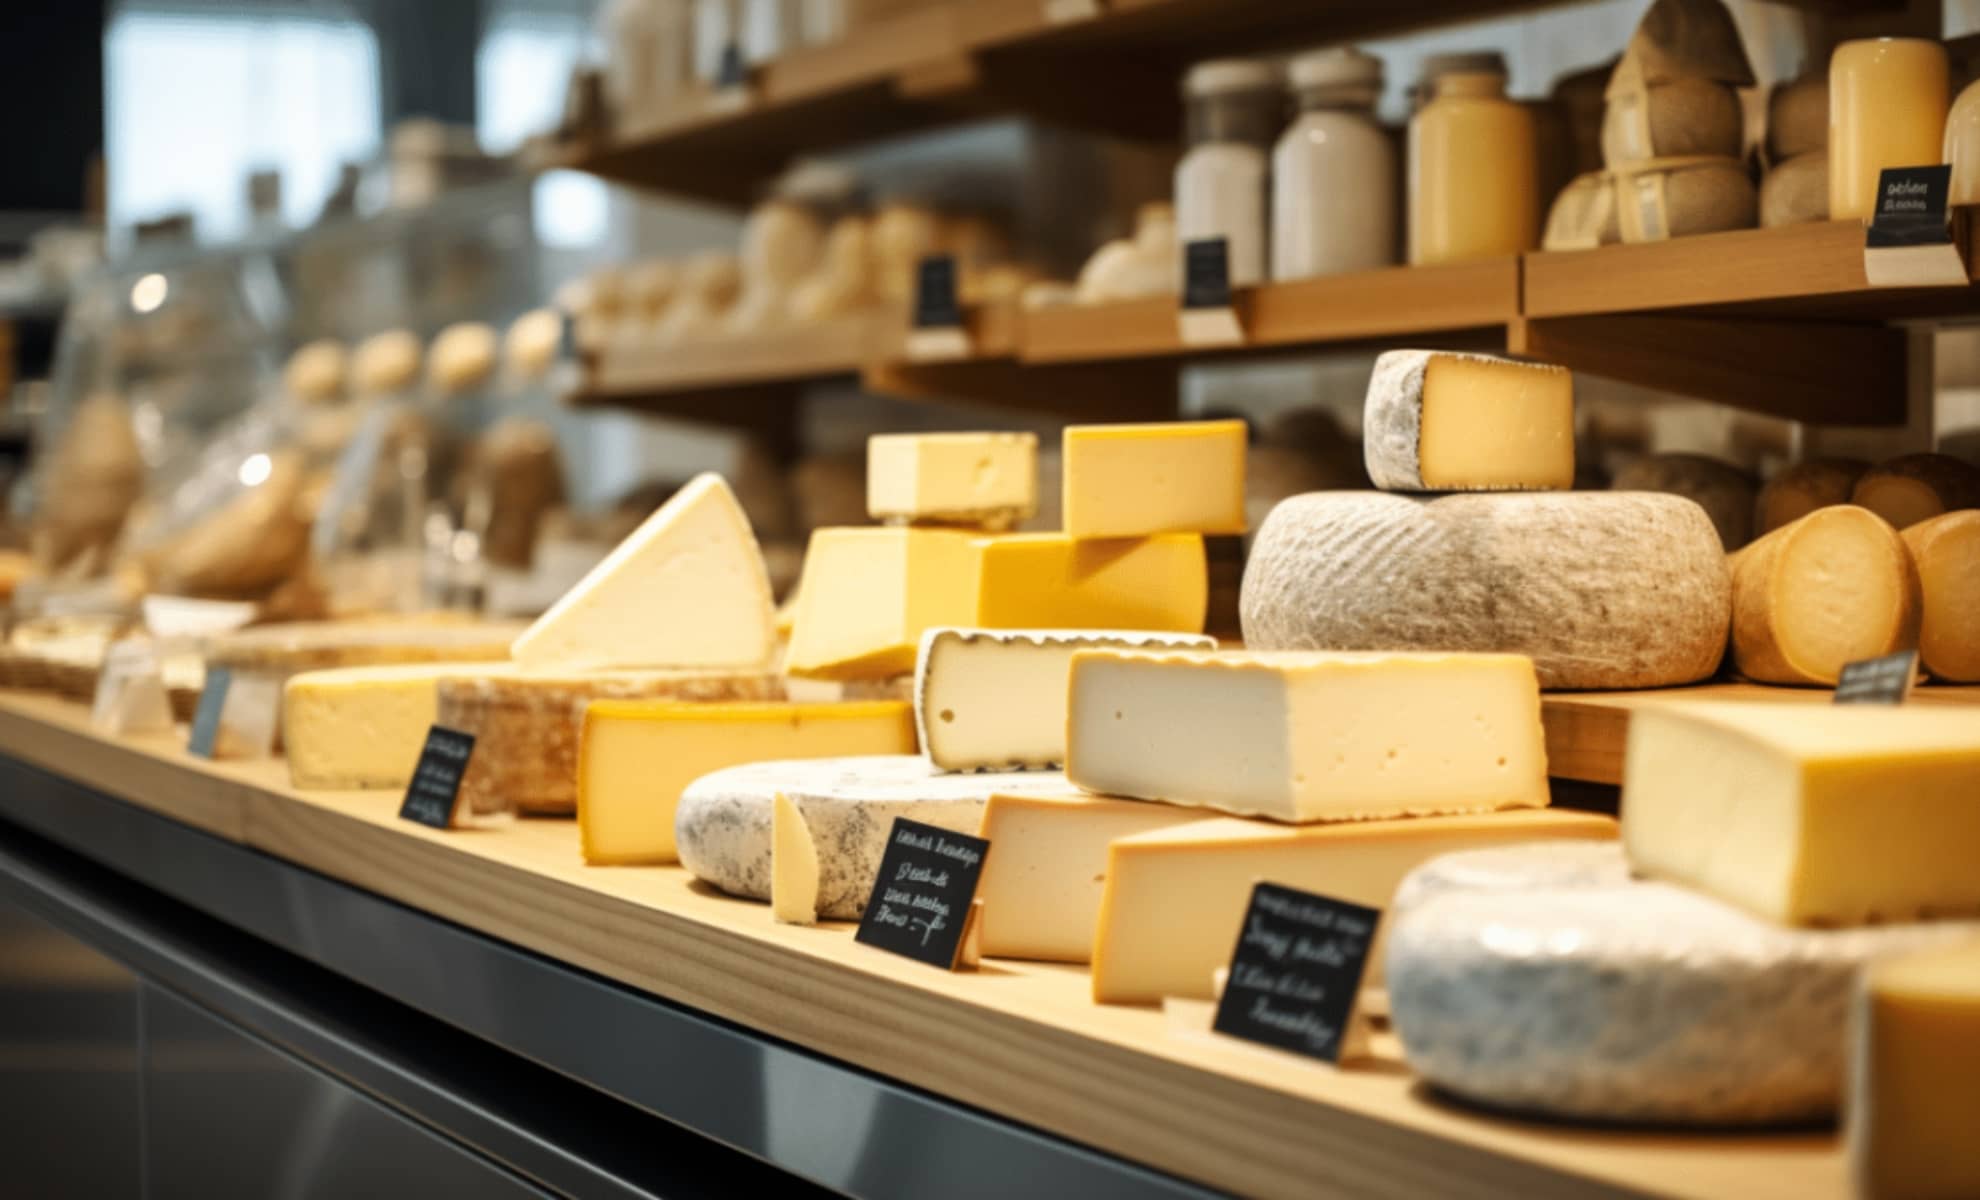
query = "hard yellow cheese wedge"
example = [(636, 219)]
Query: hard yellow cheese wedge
[(1914, 1107)]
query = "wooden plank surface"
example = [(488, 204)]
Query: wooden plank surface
[(1022, 1040)]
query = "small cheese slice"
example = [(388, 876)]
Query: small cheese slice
[(793, 865), (867, 594), (1124, 481), (687, 588), (1041, 888), (1914, 487), (1808, 814), (637, 757), (988, 699), (1309, 736), (363, 727), (981, 479), (1174, 899), (1834, 587), (1804, 487), (1437, 421), (1057, 581), (1946, 551), (1914, 1107)]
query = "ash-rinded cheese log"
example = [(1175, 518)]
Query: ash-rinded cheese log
[(1946, 551), (1917, 487), (1834, 587), (1600, 589), (1437, 421)]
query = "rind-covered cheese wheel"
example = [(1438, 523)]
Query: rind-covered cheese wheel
[(1796, 191), (1666, 198), (1915, 487), (1662, 120), (1946, 551), (1804, 487), (1798, 117), (1832, 588), (1725, 492), (1601, 589)]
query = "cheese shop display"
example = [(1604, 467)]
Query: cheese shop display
[(723, 834), (1131, 481), (1174, 899), (1914, 487), (1946, 551), (990, 699), (1473, 171), (1546, 981), (1600, 589), (362, 727), (984, 480), (1835, 586), (1916, 1050), (1439, 422), (1888, 99), (637, 756), (1309, 737), (1798, 490)]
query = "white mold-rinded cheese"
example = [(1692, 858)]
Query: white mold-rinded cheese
[(1600, 589), (1438, 421), (723, 826), (1544, 980)]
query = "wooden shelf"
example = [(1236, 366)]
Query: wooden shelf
[(1019, 1040)]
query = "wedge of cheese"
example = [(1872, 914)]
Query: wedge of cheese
[(1174, 899), (978, 479), (1127, 481), (1437, 421), (793, 865), (1810, 597), (1309, 736), (1913, 1106), (688, 588), (1808, 814), (363, 727)]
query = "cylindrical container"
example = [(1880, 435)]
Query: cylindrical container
[(1220, 183), (1472, 172), (1887, 108), (1963, 146), (1333, 171)]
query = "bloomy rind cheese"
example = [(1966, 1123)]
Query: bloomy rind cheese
[(1601, 590), (1946, 552), (1800, 614), (1392, 423)]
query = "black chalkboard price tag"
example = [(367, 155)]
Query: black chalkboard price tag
[(1885, 680), (921, 898), (436, 780), (1207, 273), (206, 718), (1296, 972), (1910, 241), (731, 70), (935, 303)]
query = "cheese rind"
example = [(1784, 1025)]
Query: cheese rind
[(637, 757), (1601, 590), (1126, 481), (1309, 737), (1174, 899), (793, 865), (1725, 492), (1808, 598), (1808, 814), (988, 699), (688, 588), (1041, 889), (1913, 1106), (1440, 421), (986, 479), (1804, 487), (363, 727), (1946, 552), (1916, 487)]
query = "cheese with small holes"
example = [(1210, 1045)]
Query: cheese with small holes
[(1914, 1106), (1126, 481), (793, 865), (1174, 899), (1041, 887), (995, 699), (1309, 737), (1834, 587), (638, 756), (1600, 589), (1813, 814), (976, 479), (1914, 487), (687, 589), (1438, 421), (363, 727), (1946, 551), (1804, 487)]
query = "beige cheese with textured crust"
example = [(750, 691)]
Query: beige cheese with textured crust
[(1441, 421), (1725, 492), (1916, 487), (1804, 487), (1600, 589), (1808, 598), (1946, 552)]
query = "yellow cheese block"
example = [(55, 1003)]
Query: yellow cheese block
[(1438, 421), (1174, 899), (1808, 598), (1056, 581), (1123, 481), (1808, 814), (362, 727), (793, 865), (1946, 551), (987, 479), (636, 757), (1914, 1106)]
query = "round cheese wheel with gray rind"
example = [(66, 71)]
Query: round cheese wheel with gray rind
[(1600, 589), (722, 825), (1795, 191), (1725, 492), (1585, 994)]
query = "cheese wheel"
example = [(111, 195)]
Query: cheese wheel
[(1725, 492), (1805, 487), (1808, 598), (461, 358), (1946, 552), (1798, 117), (1660, 199), (316, 645), (385, 363), (1796, 191), (530, 347), (1683, 38), (1584, 214), (1438, 420), (315, 372), (1600, 589), (1579, 93), (1683, 1010), (1911, 488), (254, 541), (1680, 117)]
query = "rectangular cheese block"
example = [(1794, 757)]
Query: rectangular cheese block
[(1175, 898), (1124, 481), (1309, 736), (1436, 421), (636, 757), (993, 699), (363, 727), (981, 479), (688, 588), (1041, 884), (1808, 814), (1914, 1105), (1055, 581)]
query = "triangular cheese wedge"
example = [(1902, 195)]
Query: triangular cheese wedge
[(687, 589)]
